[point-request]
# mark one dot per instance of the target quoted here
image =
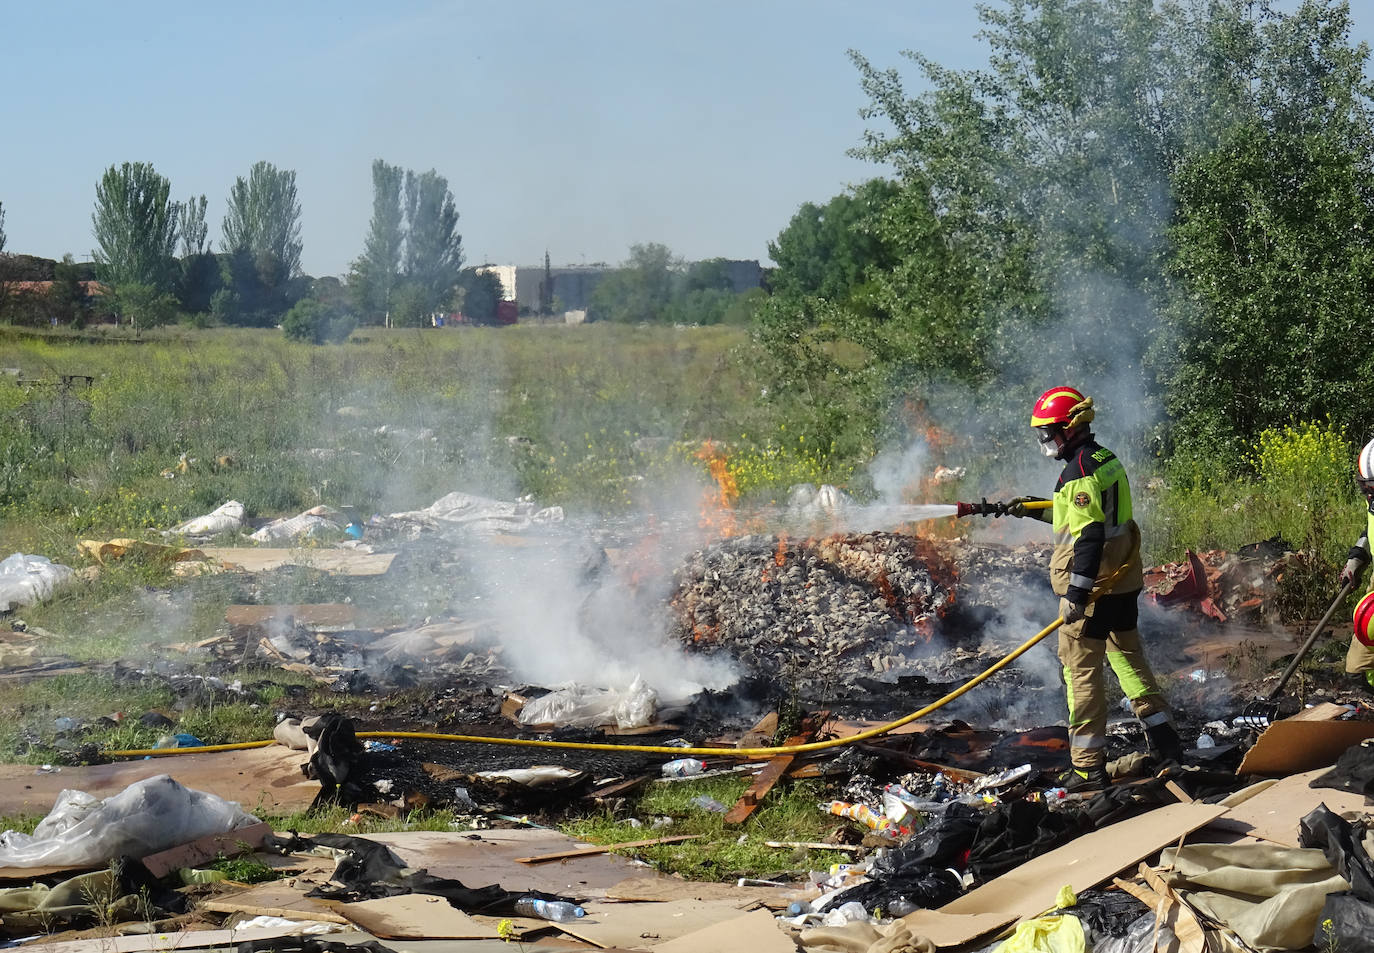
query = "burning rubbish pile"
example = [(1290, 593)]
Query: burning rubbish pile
[(828, 611)]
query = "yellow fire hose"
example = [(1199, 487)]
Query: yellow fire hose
[(742, 753), (648, 749)]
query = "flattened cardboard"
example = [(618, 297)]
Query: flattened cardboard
[(178, 940), (1086, 862), (755, 932), (1273, 814), (345, 562), (206, 849), (414, 916), (266, 778), (662, 888), (276, 899), (641, 925), (955, 929), (1312, 738)]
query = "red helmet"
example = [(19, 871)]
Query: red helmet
[(1054, 406), (1364, 617)]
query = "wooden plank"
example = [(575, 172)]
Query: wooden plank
[(619, 788), (773, 771), (198, 852), (589, 851)]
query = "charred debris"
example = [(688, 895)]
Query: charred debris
[(825, 636)]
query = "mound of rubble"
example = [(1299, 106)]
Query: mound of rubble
[(824, 611)]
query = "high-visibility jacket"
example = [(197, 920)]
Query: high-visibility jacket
[(1363, 541), (1094, 532)]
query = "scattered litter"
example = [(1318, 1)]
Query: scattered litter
[(29, 580), (227, 518)]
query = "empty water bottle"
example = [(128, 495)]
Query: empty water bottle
[(560, 911), (798, 907), (683, 768), (1206, 741)]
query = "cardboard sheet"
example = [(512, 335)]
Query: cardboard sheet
[(186, 940), (664, 888), (755, 932), (345, 562), (1312, 738), (641, 925), (279, 898), (413, 916), (268, 778), (1086, 862), (1273, 814), (490, 856)]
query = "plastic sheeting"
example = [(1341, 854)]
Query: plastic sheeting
[(1346, 920), (581, 707), (227, 518), (28, 580), (304, 526), (146, 817), (479, 514)]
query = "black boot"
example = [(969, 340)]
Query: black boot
[(1164, 743), (1076, 780)]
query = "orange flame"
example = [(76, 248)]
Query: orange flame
[(718, 511)]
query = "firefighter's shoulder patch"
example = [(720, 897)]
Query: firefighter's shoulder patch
[(1081, 500)]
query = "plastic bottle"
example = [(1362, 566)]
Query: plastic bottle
[(560, 911), (683, 768), (797, 907), (865, 815), (1205, 741)]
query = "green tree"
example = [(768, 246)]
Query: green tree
[(135, 226), (264, 222), (193, 228), (67, 299), (1273, 256), (479, 291), (144, 306), (375, 273), (410, 305), (433, 247), (827, 251), (641, 289)]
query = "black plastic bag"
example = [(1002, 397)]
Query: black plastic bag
[(1346, 923), (1354, 771), (1343, 845), (942, 843), (928, 889)]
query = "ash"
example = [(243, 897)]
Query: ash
[(819, 613)]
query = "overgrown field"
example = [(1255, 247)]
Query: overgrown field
[(595, 418)]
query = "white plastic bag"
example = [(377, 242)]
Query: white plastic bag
[(28, 580), (583, 707), (146, 817)]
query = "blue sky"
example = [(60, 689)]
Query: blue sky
[(577, 127)]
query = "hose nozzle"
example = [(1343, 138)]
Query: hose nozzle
[(983, 508)]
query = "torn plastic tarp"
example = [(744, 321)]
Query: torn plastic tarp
[(479, 514), (227, 518), (1353, 771), (1346, 921), (122, 891), (28, 580), (146, 817), (578, 706)]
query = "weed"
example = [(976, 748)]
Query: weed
[(245, 870)]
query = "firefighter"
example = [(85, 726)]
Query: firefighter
[(1094, 536), (1359, 660)]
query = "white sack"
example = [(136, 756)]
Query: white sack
[(226, 519), (304, 526), (148, 816), (583, 707), (28, 580)]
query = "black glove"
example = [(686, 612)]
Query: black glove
[(1072, 611)]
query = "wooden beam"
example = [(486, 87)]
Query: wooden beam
[(773, 771)]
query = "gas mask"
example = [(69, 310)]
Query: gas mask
[(1048, 445)]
